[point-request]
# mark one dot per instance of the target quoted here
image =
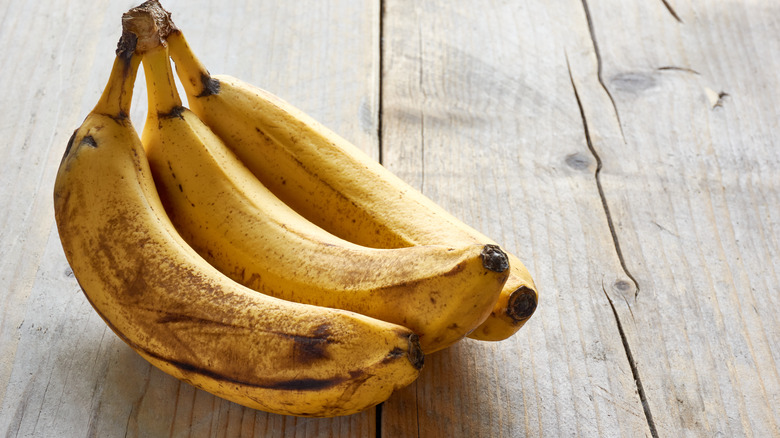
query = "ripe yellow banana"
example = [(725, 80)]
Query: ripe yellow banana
[(225, 213), (183, 315), (333, 183)]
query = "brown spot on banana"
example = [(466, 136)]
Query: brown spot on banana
[(310, 349), (359, 378), (210, 86), (306, 384), (176, 112), (89, 140), (458, 268), (174, 318)]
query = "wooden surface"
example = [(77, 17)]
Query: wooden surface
[(627, 150)]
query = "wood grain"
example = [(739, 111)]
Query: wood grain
[(62, 371), (693, 193), (673, 210), (625, 150), (480, 114)]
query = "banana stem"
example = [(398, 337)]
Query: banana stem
[(196, 79), (118, 94), (161, 88)]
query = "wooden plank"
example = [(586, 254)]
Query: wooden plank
[(62, 371), (624, 150), (479, 112), (41, 106), (692, 187)]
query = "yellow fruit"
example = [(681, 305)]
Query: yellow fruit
[(224, 212), (184, 316), (333, 183)]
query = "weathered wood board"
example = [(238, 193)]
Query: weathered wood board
[(627, 151), (63, 372)]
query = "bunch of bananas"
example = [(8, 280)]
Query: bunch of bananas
[(242, 247)]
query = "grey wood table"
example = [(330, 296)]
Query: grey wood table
[(627, 150)]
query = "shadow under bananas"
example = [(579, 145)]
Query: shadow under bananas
[(456, 383), (152, 403), (463, 391)]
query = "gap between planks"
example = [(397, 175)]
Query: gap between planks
[(605, 204), (380, 155)]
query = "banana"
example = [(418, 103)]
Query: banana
[(333, 183), (185, 317), (225, 213)]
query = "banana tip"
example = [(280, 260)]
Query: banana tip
[(522, 304), (494, 259), (415, 354)]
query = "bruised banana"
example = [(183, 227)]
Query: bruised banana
[(333, 183), (245, 231), (185, 317)]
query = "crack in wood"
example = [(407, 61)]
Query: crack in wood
[(671, 10), (599, 75), (605, 205), (634, 368), (422, 151), (676, 68), (721, 96), (380, 84), (599, 165), (378, 420), (131, 425), (417, 407), (590, 143), (663, 228), (716, 99), (380, 146), (422, 110)]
